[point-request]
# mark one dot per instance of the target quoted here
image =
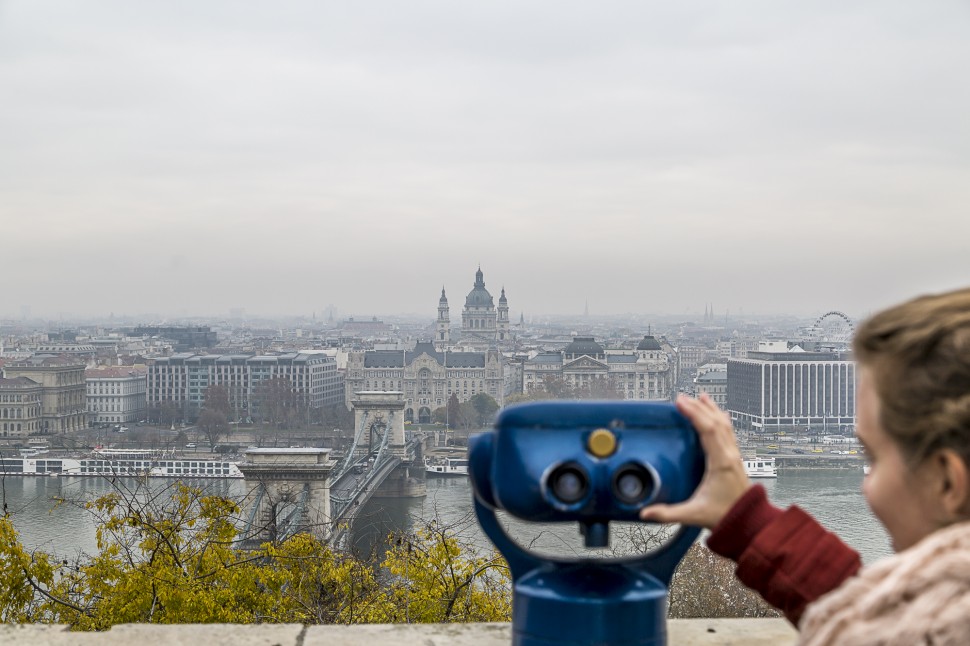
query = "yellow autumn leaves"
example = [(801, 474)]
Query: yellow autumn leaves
[(171, 557)]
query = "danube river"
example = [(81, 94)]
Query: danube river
[(49, 515)]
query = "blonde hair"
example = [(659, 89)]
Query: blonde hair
[(918, 354)]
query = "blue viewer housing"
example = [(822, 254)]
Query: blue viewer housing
[(592, 463)]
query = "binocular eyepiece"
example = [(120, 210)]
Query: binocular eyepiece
[(632, 484)]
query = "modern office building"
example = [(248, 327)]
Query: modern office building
[(116, 395), (427, 377), (183, 379), (791, 390)]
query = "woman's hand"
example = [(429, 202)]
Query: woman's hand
[(725, 480)]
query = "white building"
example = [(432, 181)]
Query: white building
[(116, 394), (643, 374), (714, 383)]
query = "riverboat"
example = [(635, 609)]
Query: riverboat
[(754, 467), (760, 467), (446, 467), (105, 465)]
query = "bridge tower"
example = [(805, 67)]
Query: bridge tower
[(287, 493), (384, 409)]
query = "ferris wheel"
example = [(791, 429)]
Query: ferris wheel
[(834, 327)]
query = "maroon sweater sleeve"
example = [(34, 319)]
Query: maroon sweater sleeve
[(786, 556)]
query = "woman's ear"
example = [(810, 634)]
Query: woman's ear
[(953, 485)]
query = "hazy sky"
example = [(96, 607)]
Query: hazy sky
[(192, 157)]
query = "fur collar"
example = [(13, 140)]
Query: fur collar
[(919, 596)]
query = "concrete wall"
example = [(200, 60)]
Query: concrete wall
[(681, 632)]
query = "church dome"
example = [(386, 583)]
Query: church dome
[(479, 296), (649, 343)]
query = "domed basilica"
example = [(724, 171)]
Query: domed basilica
[(482, 324)]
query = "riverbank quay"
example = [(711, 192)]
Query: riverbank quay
[(680, 632), (787, 459), (830, 463)]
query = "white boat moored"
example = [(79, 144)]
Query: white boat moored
[(447, 467), (760, 467)]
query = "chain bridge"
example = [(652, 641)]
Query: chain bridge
[(307, 490)]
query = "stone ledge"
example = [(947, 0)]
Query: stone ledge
[(681, 632), (155, 635)]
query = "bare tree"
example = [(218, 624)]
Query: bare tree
[(559, 388), (167, 412), (217, 400), (704, 585), (336, 416), (598, 388), (453, 412), (278, 404), (213, 424)]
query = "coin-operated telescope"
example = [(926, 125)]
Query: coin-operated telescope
[(591, 462)]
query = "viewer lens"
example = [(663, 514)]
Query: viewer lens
[(568, 484), (632, 484)]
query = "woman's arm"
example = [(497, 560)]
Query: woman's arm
[(785, 556)]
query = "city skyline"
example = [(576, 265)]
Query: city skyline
[(189, 160)]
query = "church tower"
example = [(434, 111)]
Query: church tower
[(503, 318), (443, 328)]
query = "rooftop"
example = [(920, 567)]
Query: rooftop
[(289, 451), (114, 372), (649, 343)]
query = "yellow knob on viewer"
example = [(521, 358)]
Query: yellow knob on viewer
[(602, 443)]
